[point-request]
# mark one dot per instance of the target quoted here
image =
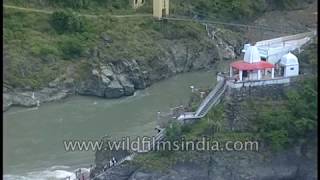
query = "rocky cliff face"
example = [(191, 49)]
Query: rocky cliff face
[(291, 164), (114, 79)]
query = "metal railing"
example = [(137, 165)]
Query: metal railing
[(210, 97), (214, 101)]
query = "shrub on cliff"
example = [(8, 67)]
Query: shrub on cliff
[(64, 21), (289, 4), (285, 125), (220, 9), (72, 48)]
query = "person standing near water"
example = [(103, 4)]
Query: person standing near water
[(114, 161)]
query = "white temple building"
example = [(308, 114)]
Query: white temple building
[(253, 70), (251, 67), (289, 65)]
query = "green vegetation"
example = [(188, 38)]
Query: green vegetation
[(155, 160), (39, 46), (309, 58), (289, 4), (295, 120), (87, 6), (63, 22)]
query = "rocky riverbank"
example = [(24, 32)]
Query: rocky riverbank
[(114, 79)]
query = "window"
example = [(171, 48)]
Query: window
[(136, 2), (263, 59), (291, 68)]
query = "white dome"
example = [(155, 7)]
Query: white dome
[(289, 59), (252, 55)]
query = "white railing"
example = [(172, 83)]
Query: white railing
[(215, 101), (278, 80), (210, 96)]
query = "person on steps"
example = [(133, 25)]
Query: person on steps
[(114, 160)]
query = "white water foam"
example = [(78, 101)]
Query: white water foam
[(52, 173), (22, 111)]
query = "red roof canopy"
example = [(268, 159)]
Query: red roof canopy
[(241, 65)]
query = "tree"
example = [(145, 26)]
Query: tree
[(282, 126), (72, 48), (66, 21)]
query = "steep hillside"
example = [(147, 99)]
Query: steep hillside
[(55, 48)]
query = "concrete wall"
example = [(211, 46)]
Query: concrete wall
[(262, 83), (291, 71)]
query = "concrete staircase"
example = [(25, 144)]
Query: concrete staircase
[(211, 100)]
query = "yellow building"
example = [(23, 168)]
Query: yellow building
[(160, 8), (137, 3)]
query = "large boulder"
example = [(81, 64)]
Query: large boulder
[(128, 87), (106, 83), (114, 90), (107, 72), (96, 83), (133, 71)]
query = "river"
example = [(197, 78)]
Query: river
[(33, 137)]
